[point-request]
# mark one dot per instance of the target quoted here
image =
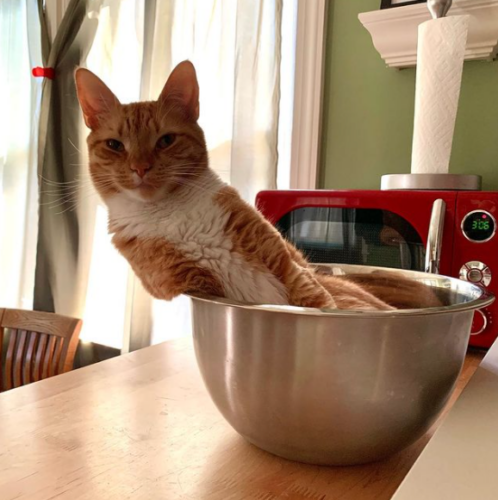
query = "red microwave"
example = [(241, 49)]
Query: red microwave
[(448, 232)]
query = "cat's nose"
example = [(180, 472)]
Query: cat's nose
[(141, 168)]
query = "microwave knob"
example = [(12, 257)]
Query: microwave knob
[(479, 323), (476, 272)]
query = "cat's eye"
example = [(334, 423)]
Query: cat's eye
[(115, 145), (165, 141)]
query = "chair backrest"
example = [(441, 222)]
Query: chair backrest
[(39, 345)]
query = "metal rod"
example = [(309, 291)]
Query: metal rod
[(439, 8)]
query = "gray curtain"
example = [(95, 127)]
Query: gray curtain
[(58, 153)]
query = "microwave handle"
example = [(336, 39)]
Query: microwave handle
[(435, 237)]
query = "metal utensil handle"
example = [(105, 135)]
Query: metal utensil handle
[(439, 8), (435, 237)]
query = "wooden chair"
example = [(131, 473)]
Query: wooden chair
[(39, 345)]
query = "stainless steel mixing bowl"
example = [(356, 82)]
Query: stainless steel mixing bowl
[(334, 387)]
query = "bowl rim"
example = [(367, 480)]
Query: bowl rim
[(484, 300)]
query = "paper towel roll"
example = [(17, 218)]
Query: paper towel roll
[(441, 52)]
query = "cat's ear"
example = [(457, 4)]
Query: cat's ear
[(182, 87), (95, 97)]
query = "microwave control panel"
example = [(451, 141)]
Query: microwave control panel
[(475, 256), (476, 272)]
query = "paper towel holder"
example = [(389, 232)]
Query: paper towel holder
[(434, 182), (443, 182)]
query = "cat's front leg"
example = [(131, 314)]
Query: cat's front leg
[(183, 279), (165, 271), (259, 242)]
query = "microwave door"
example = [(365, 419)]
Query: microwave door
[(435, 237), (355, 235)]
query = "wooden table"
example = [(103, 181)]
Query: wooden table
[(142, 426)]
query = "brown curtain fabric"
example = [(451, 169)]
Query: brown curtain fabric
[(59, 132)]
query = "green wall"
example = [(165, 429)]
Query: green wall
[(368, 110)]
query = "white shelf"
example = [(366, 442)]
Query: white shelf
[(394, 31)]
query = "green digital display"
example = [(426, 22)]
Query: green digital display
[(479, 226)]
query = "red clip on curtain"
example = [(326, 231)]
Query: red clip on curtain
[(43, 72)]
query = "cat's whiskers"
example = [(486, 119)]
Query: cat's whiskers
[(74, 205), (61, 200), (78, 151), (62, 195), (188, 183), (194, 163), (65, 188), (74, 196), (60, 192), (57, 183), (64, 200)]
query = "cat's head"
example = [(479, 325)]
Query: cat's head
[(143, 150)]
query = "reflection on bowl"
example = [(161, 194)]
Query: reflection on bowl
[(335, 387)]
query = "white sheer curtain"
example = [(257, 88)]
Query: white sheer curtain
[(18, 181), (236, 49)]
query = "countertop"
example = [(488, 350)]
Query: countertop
[(461, 461), (142, 426)]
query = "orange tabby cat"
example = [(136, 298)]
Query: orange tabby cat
[(179, 226)]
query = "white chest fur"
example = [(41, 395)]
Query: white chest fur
[(195, 226)]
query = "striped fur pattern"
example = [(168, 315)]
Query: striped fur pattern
[(179, 226)]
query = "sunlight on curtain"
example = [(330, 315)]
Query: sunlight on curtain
[(116, 56), (235, 49), (204, 31), (17, 170), (286, 111)]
